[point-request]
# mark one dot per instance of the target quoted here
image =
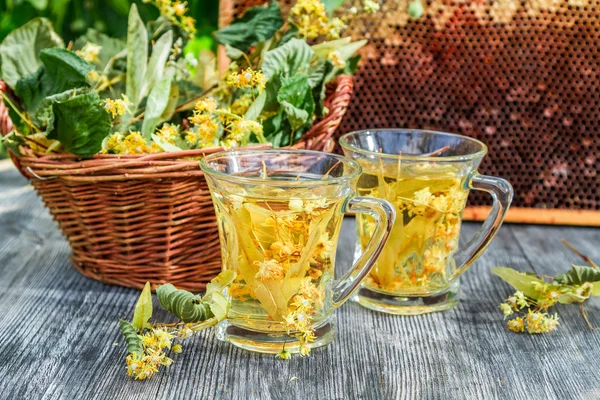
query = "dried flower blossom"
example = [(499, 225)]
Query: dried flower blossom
[(117, 107), (90, 52)]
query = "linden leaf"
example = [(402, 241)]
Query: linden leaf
[(80, 124), (256, 25), (143, 309), (183, 304), (578, 275), (19, 51), (137, 58), (520, 281), (219, 306), (134, 344), (217, 284)]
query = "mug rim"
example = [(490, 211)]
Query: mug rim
[(355, 171), (465, 157)]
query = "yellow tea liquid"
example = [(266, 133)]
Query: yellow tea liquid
[(418, 255), (282, 247)]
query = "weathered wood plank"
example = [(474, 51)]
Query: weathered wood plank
[(57, 331)]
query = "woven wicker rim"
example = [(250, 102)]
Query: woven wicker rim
[(465, 157), (352, 172)]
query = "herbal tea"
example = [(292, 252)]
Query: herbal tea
[(283, 251), (418, 256)]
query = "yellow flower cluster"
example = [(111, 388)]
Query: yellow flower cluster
[(336, 59), (117, 107), (247, 78), (310, 16), (90, 52), (536, 319), (153, 344), (132, 143), (371, 6), (176, 12)]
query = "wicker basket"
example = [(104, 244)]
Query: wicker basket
[(135, 218)]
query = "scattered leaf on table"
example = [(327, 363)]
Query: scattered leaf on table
[(134, 344), (520, 281), (143, 309)]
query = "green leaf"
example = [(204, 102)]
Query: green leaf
[(520, 281), (157, 62), (110, 47), (220, 282), (233, 53), (12, 141), (40, 5), (134, 343), (143, 309), (43, 115), (256, 25), (578, 275), (256, 107), (183, 304), (596, 289), (61, 70), (416, 9), (290, 33), (344, 47), (80, 124), (571, 297), (137, 57), (352, 65), (158, 100), (296, 99), (20, 50), (291, 58)]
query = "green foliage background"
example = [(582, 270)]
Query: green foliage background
[(72, 18)]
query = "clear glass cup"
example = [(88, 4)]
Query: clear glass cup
[(427, 177), (279, 214)]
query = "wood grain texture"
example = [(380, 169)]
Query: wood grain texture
[(57, 331)]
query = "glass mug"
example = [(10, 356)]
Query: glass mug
[(427, 177), (279, 214)]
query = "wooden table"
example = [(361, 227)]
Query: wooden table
[(58, 329)]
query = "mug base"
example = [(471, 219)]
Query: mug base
[(407, 304), (271, 343)]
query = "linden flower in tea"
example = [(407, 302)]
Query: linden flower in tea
[(427, 228), (283, 254)]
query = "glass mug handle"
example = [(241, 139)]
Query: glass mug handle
[(502, 194), (384, 215)]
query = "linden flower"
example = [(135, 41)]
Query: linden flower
[(371, 6), (117, 107), (180, 8), (516, 325), (325, 245), (168, 132), (281, 248), (423, 196), (304, 351), (206, 105), (336, 26), (90, 52), (268, 270), (310, 16), (247, 78), (506, 309), (241, 129), (296, 205), (284, 355), (241, 104), (336, 60), (177, 349)]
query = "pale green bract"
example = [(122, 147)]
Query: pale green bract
[(143, 309)]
